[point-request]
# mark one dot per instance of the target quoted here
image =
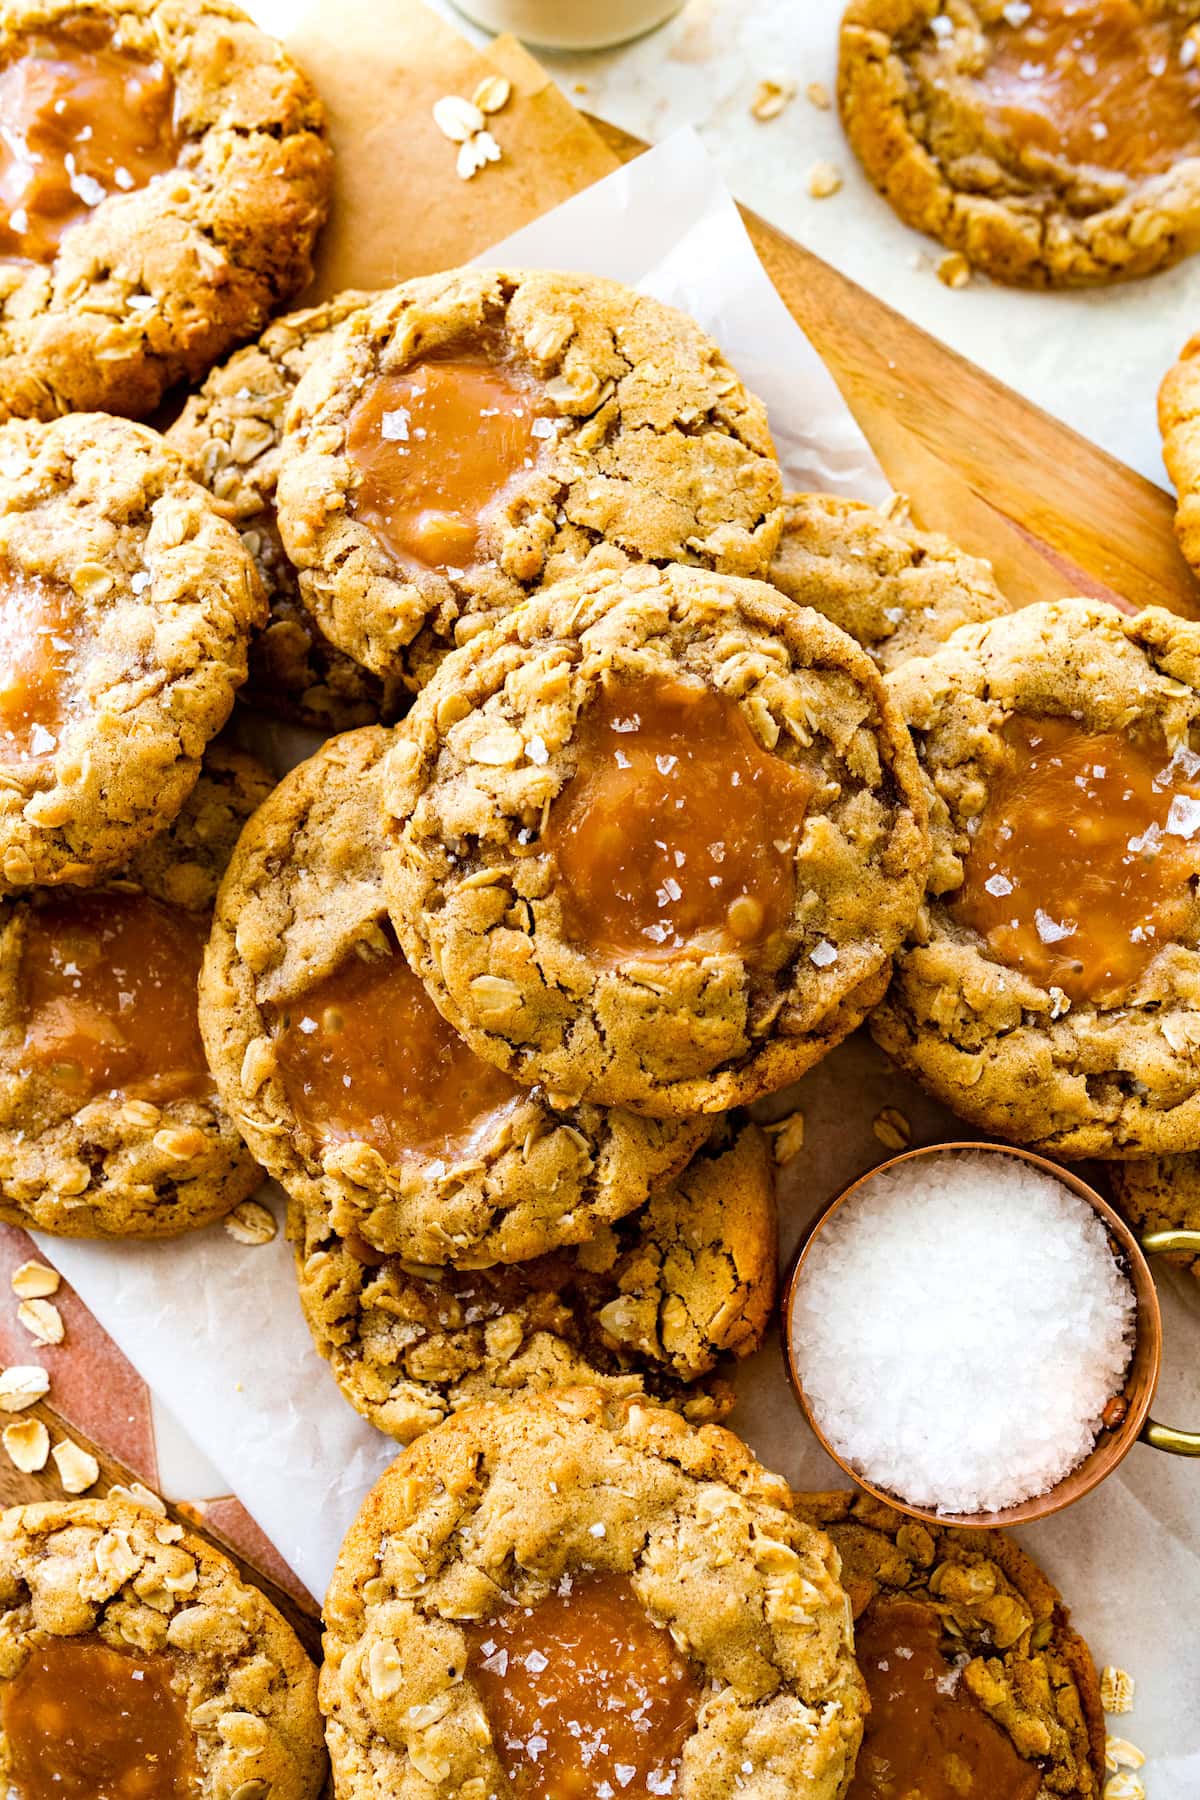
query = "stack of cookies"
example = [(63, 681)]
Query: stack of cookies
[(619, 822), (484, 987)]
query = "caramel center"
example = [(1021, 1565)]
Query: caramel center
[(109, 984), (1096, 81), (1081, 866), (366, 1056), (677, 829), (586, 1697), (79, 120), (39, 627), (436, 448), (84, 1722), (925, 1734)]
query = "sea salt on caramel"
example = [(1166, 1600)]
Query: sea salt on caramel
[(678, 830), (365, 1056), (80, 119), (586, 1697), (83, 1721), (1080, 868), (435, 447)]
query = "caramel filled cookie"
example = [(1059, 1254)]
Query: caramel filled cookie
[(1052, 143), (125, 606), (566, 1594), (110, 1125), (347, 1083), (229, 434), (1050, 992), (898, 591), (652, 1303), (654, 838), (1160, 1193), (473, 435), (978, 1683), (163, 174), (138, 1662)]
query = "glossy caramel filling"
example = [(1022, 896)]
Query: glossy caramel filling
[(85, 1722), (1081, 867), (926, 1738), (109, 984), (586, 1697), (39, 631), (436, 447), (79, 120), (366, 1057), (1095, 81), (677, 830)]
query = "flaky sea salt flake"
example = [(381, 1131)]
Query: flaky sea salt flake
[(1183, 817), (1052, 931)]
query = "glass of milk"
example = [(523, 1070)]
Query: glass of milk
[(570, 24)]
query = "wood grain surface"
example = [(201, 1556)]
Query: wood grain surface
[(1054, 513)]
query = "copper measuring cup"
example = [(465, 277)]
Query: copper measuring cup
[(1141, 1380)]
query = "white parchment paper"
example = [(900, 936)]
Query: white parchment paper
[(216, 1328)]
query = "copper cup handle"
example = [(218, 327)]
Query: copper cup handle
[(1167, 1437)]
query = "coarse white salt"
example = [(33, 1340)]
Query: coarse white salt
[(959, 1325)]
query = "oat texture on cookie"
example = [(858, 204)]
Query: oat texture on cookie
[(568, 1547), (346, 1082), (163, 175), (651, 1304), (229, 434), (125, 607), (654, 839), (977, 1680), (1179, 422), (129, 1644), (1160, 1193), (1051, 144), (475, 434), (897, 590), (110, 1124), (1050, 991)]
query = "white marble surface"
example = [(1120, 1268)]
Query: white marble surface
[(1094, 359)]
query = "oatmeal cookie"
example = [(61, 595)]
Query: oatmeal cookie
[(349, 1087), (125, 606), (228, 434), (521, 1555), (898, 591), (165, 174), (965, 1644), (1053, 145), (654, 839), (652, 1303), (131, 1646), (1050, 992), (1160, 1193), (110, 1124), (475, 434), (1179, 422)]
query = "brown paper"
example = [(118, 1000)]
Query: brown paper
[(400, 208)]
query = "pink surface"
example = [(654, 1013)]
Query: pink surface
[(91, 1383)]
